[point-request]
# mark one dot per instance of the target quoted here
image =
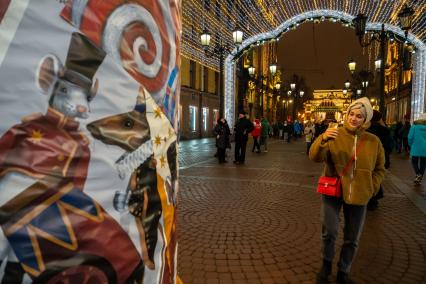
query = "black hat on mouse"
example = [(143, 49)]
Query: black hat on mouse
[(83, 60)]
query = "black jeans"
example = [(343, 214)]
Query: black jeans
[(419, 165), (240, 151), (221, 154)]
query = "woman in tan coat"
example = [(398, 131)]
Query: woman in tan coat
[(335, 147)]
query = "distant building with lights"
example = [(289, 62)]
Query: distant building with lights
[(398, 86), (327, 104)]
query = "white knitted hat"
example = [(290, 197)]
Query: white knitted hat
[(365, 106)]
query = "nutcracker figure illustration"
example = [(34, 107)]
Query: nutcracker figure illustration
[(56, 232)]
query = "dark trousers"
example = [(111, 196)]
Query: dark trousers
[(221, 154), (354, 216), (419, 165), (405, 144), (256, 144), (308, 146), (240, 151)]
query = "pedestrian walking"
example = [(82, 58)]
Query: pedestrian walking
[(297, 129), (379, 128), (405, 131), (266, 129), (417, 142), (358, 158), (242, 129), (309, 135), (280, 130), (288, 130), (257, 128), (222, 133), (397, 136)]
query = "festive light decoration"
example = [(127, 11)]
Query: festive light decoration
[(419, 58), (258, 16)]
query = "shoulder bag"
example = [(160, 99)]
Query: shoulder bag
[(331, 186)]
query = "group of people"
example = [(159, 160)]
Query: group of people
[(259, 130)]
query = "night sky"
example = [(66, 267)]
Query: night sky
[(320, 53)]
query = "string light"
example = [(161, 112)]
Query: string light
[(419, 58)]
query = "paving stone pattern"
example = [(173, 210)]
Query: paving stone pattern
[(260, 223)]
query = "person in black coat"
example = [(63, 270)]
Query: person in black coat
[(222, 133), (379, 129), (242, 129)]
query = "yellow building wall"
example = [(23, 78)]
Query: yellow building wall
[(211, 85), (184, 72), (198, 76)]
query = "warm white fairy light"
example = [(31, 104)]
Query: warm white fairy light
[(419, 58)]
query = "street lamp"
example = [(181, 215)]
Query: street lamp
[(273, 69), (219, 49), (358, 92), (205, 40), (345, 92), (378, 64), (406, 18), (251, 71), (301, 93), (352, 65), (347, 84), (365, 84), (237, 35), (278, 85), (292, 86)]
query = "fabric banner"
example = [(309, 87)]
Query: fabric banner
[(88, 140)]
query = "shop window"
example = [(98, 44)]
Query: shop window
[(205, 117), (192, 118), (215, 116)]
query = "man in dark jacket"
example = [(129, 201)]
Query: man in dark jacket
[(379, 129), (242, 128)]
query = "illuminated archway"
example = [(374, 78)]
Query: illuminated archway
[(419, 58)]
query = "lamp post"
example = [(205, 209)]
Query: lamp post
[(405, 19), (220, 49)]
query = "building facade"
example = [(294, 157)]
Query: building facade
[(398, 87), (199, 100)]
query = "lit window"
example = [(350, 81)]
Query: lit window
[(215, 116), (192, 118), (205, 117)]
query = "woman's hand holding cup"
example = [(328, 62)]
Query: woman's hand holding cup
[(331, 132)]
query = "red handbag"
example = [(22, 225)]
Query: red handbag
[(331, 185)]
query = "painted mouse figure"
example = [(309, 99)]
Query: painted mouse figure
[(43, 168)]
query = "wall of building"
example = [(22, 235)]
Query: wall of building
[(199, 100)]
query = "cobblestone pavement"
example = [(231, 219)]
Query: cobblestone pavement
[(259, 222)]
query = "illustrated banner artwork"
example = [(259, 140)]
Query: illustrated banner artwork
[(88, 141)]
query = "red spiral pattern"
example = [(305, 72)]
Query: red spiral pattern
[(93, 22)]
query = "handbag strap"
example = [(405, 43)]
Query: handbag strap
[(361, 143)]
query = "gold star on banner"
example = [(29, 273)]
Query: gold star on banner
[(170, 132), (157, 141), (157, 112), (36, 136), (163, 161)]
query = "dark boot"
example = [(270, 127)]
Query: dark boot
[(343, 278), (322, 275)]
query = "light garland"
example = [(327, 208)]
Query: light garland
[(419, 58), (261, 16)]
